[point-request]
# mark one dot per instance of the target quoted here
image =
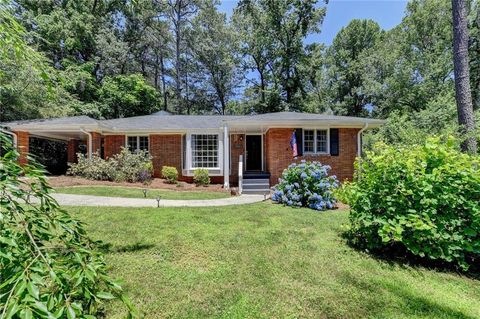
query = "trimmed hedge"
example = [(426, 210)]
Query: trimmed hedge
[(170, 173), (200, 177)]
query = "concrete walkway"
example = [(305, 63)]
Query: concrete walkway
[(90, 200)]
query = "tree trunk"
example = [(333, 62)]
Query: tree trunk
[(178, 76), (463, 94), (164, 84)]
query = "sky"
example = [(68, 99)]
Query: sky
[(387, 13)]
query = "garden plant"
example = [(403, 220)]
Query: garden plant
[(421, 199), (49, 267), (306, 185), (122, 167), (200, 177), (170, 173)]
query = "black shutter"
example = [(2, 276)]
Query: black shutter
[(299, 137), (334, 142)]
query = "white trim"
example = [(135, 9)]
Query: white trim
[(90, 143), (219, 151), (315, 140), (245, 149), (226, 158)]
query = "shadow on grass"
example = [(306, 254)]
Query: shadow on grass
[(109, 248), (410, 301), (399, 256)]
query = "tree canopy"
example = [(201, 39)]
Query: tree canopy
[(123, 58)]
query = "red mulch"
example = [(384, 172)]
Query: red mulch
[(65, 181)]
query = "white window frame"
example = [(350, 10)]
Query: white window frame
[(138, 142), (315, 151), (190, 151)]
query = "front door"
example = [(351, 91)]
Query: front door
[(254, 153)]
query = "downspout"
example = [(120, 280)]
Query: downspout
[(359, 140), (90, 144), (13, 135)]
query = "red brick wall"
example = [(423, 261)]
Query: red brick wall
[(166, 150), (96, 142), (237, 148), (279, 155), (72, 150), (23, 146), (113, 144)]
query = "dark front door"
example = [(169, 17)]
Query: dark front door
[(254, 152)]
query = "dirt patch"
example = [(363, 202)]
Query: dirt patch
[(65, 181)]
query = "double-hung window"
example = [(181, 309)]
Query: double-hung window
[(204, 150), (315, 141), (137, 143)]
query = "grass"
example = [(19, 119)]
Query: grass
[(263, 261), (133, 192)]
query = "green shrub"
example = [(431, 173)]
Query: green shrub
[(49, 267), (170, 173), (306, 184), (122, 167), (200, 177), (423, 199)]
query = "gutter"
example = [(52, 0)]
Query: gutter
[(359, 140), (90, 145), (13, 135)]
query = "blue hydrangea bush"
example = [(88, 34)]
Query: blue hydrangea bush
[(306, 185)]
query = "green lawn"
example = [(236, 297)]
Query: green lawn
[(133, 192), (263, 261)]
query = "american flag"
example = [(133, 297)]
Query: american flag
[(293, 144)]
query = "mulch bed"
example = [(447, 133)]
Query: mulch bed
[(157, 183)]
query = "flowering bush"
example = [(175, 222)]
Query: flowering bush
[(421, 199), (306, 185), (122, 167)]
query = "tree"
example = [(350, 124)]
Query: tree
[(273, 35), (127, 95), (179, 12), (345, 65), (462, 76), (214, 46)]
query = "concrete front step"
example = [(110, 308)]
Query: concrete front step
[(256, 181), (256, 186), (256, 191)]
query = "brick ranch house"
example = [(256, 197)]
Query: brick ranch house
[(214, 142)]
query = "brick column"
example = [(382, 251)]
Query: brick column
[(22, 146), (72, 150), (96, 143)]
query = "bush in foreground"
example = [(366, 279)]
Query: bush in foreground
[(170, 173), (200, 177), (423, 199), (122, 167), (49, 267), (306, 184)]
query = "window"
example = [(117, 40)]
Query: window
[(137, 143), (204, 150), (309, 141), (322, 141), (315, 141)]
